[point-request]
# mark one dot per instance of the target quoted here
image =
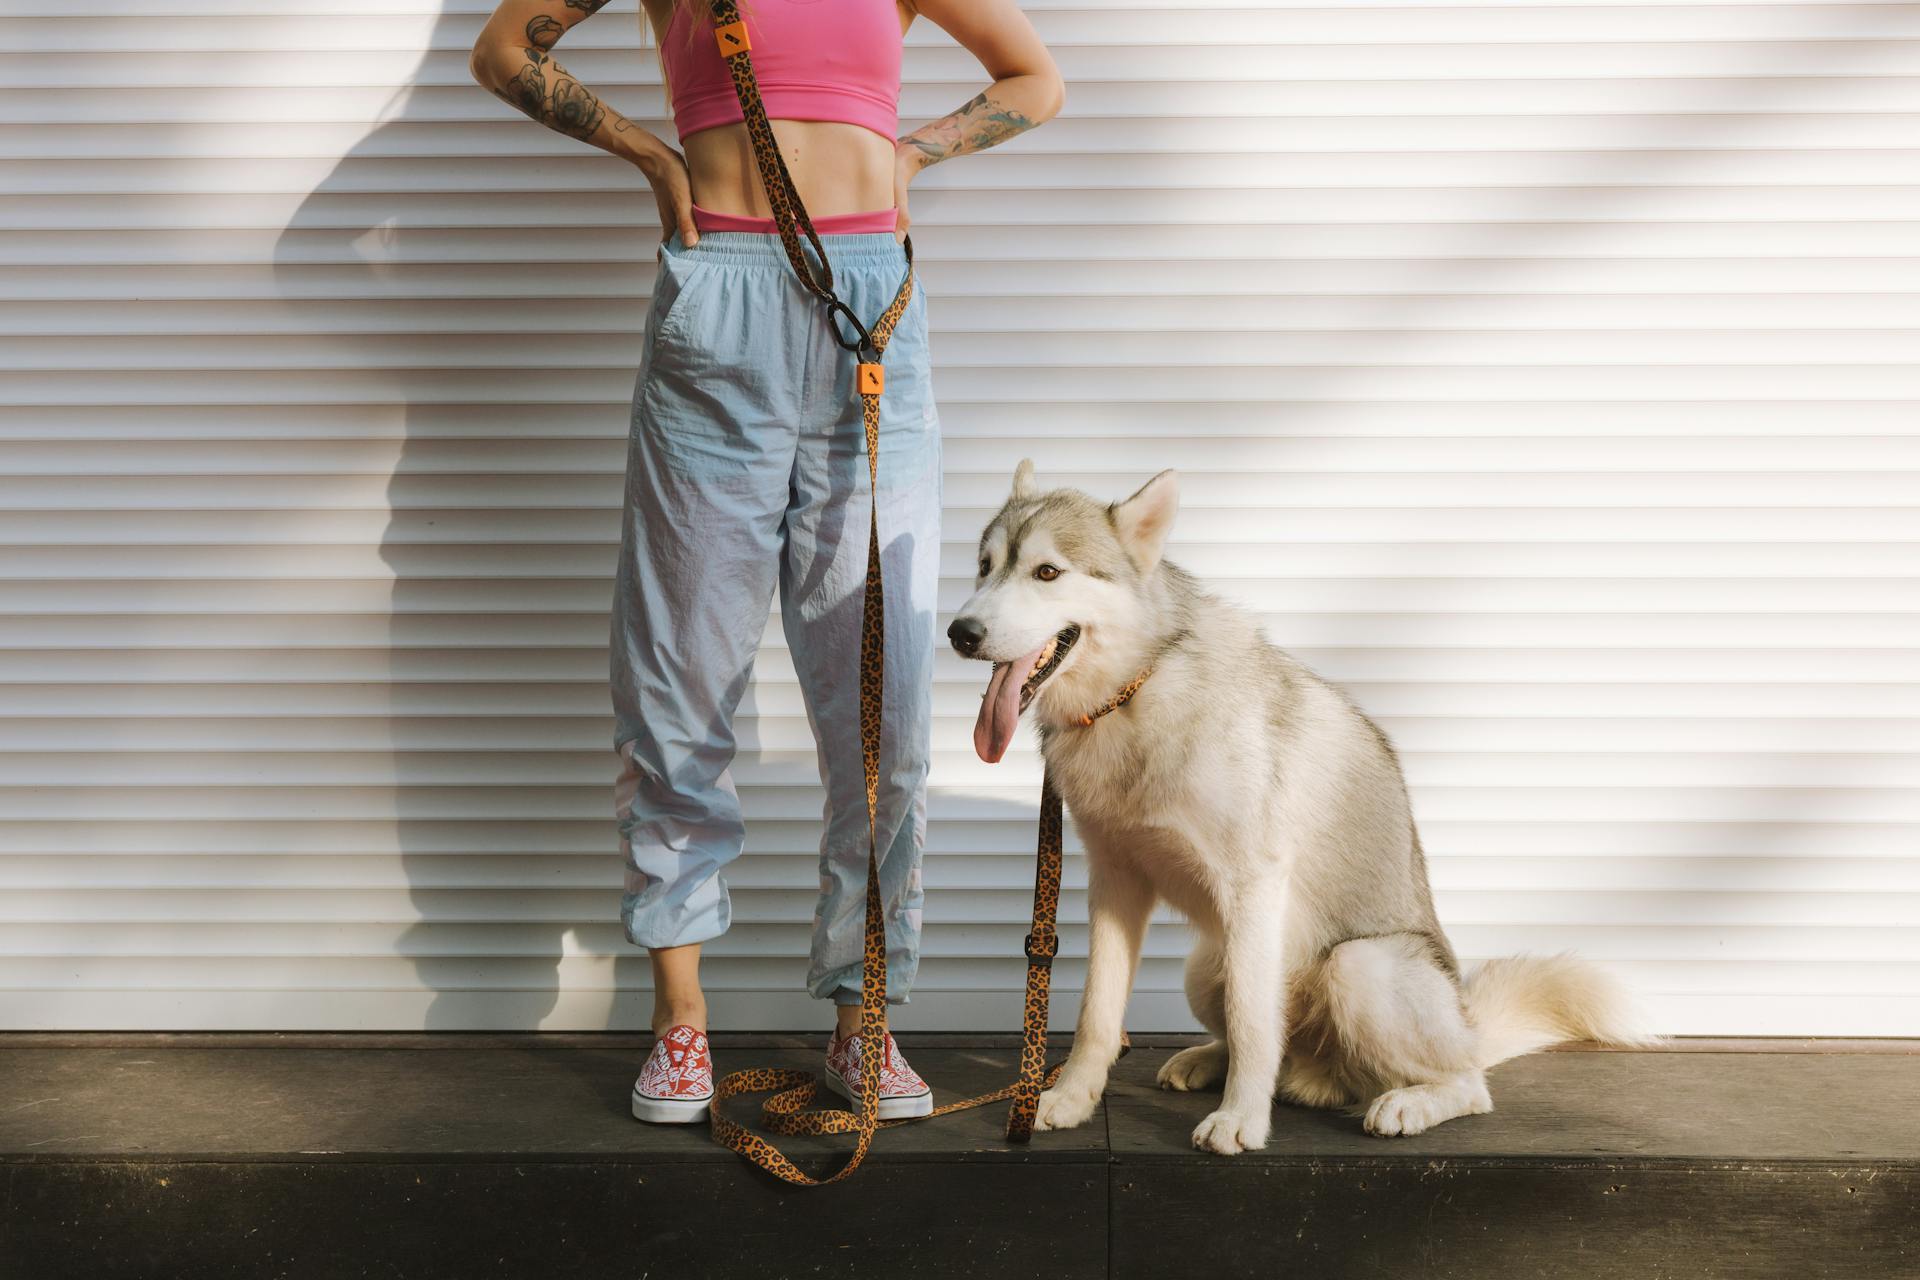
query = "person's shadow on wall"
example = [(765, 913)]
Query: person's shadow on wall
[(434, 294), (482, 366)]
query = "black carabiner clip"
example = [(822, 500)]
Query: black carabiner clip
[(837, 308)]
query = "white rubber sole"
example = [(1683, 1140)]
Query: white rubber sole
[(920, 1104), (669, 1110)]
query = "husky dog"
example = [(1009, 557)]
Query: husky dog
[(1257, 800)]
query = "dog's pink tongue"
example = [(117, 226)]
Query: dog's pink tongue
[(1000, 709)]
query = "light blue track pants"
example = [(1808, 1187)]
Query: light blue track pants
[(747, 471)]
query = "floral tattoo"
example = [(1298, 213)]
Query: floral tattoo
[(545, 90), (980, 124)]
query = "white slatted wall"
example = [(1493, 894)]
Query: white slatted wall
[(1546, 373)]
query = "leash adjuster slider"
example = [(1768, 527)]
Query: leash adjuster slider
[(1043, 958), (732, 39), (873, 378)]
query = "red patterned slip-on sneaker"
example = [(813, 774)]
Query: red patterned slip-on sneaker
[(903, 1094), (676, 1084)]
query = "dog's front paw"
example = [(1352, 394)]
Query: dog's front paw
[(1231, 1132), (1065, 1106), (1200, 1067)]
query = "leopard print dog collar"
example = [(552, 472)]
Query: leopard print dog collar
[(1117, 701)]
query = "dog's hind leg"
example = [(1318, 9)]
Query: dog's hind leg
[(1203, 1065), (1416, 1108), (1399, 1034), (1309, 1082), (1199, 1066), (1306, 1074)]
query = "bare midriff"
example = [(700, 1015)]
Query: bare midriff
[(844, 173)]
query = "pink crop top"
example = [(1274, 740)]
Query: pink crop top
[(814, 59)]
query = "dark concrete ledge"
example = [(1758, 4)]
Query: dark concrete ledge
[(268, 1154)]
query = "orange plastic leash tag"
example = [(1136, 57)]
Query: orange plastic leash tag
[(873, 378), (732, 38)]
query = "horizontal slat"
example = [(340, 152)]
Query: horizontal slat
[(204, 799), (381, 728), (589, 972), (1380, 611), (468, 846), (1624, 383), (1205, 531), (452, 265), (495, 133), (109, 694), (552, 776), (975, 909), (597, 56), (1226, 350), (1128, 432), (545, 165), (1754, 94), (1085, 464), (571, 1009), (449, 941), (481, 489), (119, 9), (1821, 633), (1596, 319), (1254, 578), (960, 872), (1069, 28), (1669, 667)]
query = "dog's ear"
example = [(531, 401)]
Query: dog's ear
[(1023, 486), (1144, 520)]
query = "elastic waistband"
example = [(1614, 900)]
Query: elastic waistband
[(764, 247), (705, 219)]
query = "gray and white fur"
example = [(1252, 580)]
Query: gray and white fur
[(1257, 800)]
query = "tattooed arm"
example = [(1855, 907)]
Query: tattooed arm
[(1026, 91), (988, 118), (511, 59)]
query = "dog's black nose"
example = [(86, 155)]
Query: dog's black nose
[(966, 635)]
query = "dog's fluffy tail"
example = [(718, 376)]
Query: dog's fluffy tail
[(1526, 1003)]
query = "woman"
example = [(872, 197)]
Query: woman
[(746, 470)]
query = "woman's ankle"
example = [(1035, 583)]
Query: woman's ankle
[(677, 997), (680, 1015)]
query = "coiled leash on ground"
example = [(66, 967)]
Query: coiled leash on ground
[(789, 1111)]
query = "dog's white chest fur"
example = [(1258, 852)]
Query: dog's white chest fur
[(1181, 826)]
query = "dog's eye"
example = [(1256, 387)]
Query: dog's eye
[(1046, 572)]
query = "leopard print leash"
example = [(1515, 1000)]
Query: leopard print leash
[(790, 1110)]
